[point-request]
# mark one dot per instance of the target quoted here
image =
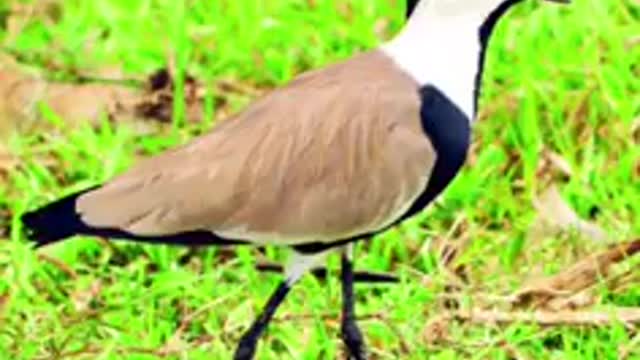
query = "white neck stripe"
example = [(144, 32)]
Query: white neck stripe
[(441, 46)]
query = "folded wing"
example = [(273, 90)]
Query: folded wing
[(336, 153)]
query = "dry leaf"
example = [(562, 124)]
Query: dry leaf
[(580, 300), (436, 331), (21, 14), (633, 42), (19, 92), (82, 299), (578, 277), (555, 216), (76, 103), (552, 162), (23, 93), (513, 351), (381, 28), (449, 247), (157, 100), (635, 130), (7, 161), (4, 299)]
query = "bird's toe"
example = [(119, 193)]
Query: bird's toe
[(354, 341)]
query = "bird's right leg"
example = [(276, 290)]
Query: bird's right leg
[(351, 334)]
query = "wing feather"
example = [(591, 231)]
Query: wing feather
[(335, 153)]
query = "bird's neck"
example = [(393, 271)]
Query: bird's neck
[(446, 50)]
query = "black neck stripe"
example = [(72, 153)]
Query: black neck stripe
[(411, 5), (486, 29)]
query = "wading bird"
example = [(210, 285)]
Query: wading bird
[(335, 156)]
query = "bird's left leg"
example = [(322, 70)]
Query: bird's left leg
[(351, 334), (298, 265)]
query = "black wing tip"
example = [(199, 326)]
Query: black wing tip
[(59, 220), (53, 222), (32, 231)]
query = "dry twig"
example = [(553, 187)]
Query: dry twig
[(576, 278), (60, 265), (627, 316)]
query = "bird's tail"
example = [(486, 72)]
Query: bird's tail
[(55, 221), (59, 220)]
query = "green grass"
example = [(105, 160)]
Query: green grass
[(562, 78)]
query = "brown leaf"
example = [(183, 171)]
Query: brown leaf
[(4, 299), (157, 100), (381, 28), (513, 351), (76, 103), (451, 245), (633, 42), (17, 91), (580, 300), (23, 93), (555, 216), (7, 161), (21, 14), (436, 331), (553, 163), (578, 277), (82, 299), (635, 130)]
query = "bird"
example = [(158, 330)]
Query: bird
[(333, 157)]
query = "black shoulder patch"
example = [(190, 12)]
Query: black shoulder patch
[(449, 130)]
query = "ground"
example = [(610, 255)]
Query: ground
[(553, 177)]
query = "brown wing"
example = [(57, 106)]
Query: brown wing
[(336, 153)]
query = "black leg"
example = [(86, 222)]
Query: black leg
[(247, 346), (351, 334)]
